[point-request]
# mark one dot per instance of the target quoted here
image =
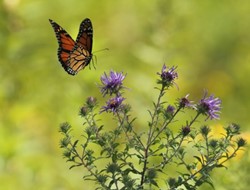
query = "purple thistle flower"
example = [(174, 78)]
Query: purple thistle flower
[(112, 84), (170, 109), (169, 112), (113, 104), (167, 76), (210, 106), (185, 102)]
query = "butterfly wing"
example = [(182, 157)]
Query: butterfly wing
[(66, 44), (81, 55), (85, 35)]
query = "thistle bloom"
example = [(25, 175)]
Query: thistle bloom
[(113, 104), (185, 102), (167, 76), (112, 84), (169, 111), (210, 106)]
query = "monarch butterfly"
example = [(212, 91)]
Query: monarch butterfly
[(74, 55)]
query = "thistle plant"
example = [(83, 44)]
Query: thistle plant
[(166, 153)]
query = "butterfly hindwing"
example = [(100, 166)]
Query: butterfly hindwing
[(74, 56), (79, 59)]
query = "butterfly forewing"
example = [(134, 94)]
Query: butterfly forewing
[(66, 43), (85, 35), (74, 56)]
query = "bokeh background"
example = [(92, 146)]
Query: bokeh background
[(208, 40)]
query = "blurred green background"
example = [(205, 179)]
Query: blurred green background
[(208, 40)]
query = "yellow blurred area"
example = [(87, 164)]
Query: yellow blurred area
[(208, 40)]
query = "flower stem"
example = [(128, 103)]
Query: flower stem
[(150, 134)]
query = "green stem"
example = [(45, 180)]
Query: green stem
[(150, 134), (166, 123)]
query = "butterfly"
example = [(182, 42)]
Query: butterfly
[(74, 55)]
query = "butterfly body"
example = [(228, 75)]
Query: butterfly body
[(74, 55)]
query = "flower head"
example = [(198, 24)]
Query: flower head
[(185, 130), (169, 112), (170, 109), (167, 75), (113, 104), (213, 143), (210, 106), (205, 130), (233, 129), (241, 142), (91, 102), (84, 111), (185, 102), (112, 84)]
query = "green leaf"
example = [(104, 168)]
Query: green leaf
[(75, 143), (199, 159), (152, 181), (221, 166), (210, 183)]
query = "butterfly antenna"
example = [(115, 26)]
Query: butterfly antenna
[(94, 60), (105, 49)]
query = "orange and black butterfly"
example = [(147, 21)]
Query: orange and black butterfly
[(74, 55)]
